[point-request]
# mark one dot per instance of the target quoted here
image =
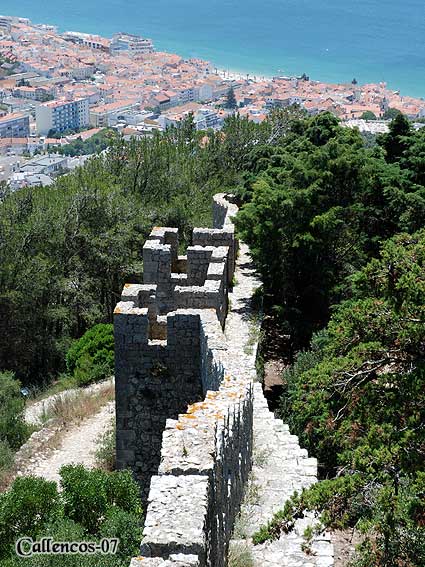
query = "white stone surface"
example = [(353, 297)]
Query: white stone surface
[(198, 457)]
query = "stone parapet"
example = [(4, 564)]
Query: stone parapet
[(185, 373), (184, 411)]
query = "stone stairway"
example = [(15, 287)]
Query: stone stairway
[(280, 467)]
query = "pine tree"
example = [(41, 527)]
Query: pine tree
[(231, 102)]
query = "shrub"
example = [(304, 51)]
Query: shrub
[(240, 555), (122, 491), (60, 529), (84, 496), (6, 456), (126, 527), (89, 494), (6, 464), (94, 504), (64, 529), (106, 451), (91, 358), (13, 429), (25, 508)]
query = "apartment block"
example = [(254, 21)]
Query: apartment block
[(87, 40), (106, 115), (133, 44), (14, 126), (5, 25), (60, 115)]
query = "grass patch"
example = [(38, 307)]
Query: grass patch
[(240, 555), (260, 457), (78, 406), (106, 449), (247, 512), (255, 334)]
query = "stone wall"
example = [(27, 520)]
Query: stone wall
[(155, 380), (184, 397), (188, 409)]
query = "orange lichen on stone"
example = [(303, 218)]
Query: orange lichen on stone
[(128, 285), (180, 426), (189, 416), (233, 395), (211, 395), (117, 310)]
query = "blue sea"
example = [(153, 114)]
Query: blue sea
[(330, 40)]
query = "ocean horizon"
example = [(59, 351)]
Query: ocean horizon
[(371, 41)]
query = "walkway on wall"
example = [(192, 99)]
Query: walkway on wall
[(280, 466)]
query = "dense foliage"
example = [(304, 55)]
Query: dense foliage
[(336, 231), (93, 145), (320, 204), (91, 358), (66, 250), (357, 401), (13, 430), (92, 504)]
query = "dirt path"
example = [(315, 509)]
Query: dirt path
[(35, 412), (78, 445)]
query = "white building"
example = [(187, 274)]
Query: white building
[(91, 41), (203, 117), (134, 44), (105, 115), (60, 115), (82, 72), (14, 126), (48, 165), (205, 92), (5, 25)]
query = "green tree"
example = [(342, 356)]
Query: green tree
[(91, 358), (391, 113), (13, 429), (320, 205), (357, 403), (396, 141), (231, 102), (368, 115)]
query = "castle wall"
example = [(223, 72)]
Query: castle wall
[(155, 380), (184, 395)]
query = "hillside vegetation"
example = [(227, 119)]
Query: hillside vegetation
[(337, 232), (336, 228), (66, 250)]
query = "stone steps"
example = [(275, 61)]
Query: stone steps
[(280, 466)]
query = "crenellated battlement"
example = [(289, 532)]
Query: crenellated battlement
[(184, 408), (185, 388), (160, 334), (198, 280)]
